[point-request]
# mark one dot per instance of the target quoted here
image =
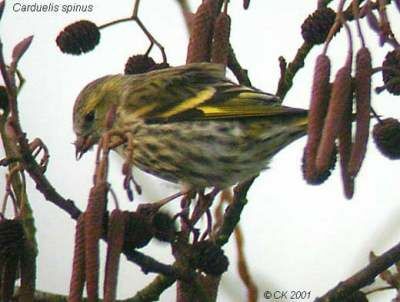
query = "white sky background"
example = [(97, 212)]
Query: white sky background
[(298, 237)]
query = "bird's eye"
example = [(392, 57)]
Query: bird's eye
[(89, 117)]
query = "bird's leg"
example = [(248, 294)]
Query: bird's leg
[(127, 169), (202, 206), (36, 146), (208, 231), (204, 202), (186, 227), (117, 138), (185, 205)]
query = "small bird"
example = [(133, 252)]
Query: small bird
[(190, 124)]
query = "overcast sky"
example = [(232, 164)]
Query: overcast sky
[(298, 237)]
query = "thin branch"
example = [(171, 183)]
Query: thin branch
[(286, 81), (150, 265), (153, 291), (27, 160), (151, 38), (244, 273), (135, 18), (233, 212), (364, 277), (105, 25), (136, 8), (239, 72), (150, 293)]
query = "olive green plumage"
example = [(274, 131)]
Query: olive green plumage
[(189, 124)]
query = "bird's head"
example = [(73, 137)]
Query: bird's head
[(93, 111)]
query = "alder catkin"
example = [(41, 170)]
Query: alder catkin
[(200, 34), (115, 237), (220, 42), (77, 282), (94, 217), (318, 108), (338, 103), (363, 104), (345, 147)]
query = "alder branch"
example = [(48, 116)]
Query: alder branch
[(233, 212), (150, 293), (27, 160), (364, 277), (150, 265), (288, 72), (153, 290), (239, 72)]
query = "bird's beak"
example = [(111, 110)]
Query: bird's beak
[(83, 144)]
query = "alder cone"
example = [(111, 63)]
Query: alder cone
[(138, 231), (79, 37), (390, 73), (209, 258), (316, 27), (139, 64), (386, 135)]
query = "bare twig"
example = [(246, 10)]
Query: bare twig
[(286, 81), (27, 160), (135, 18), (243, 269), (236, 68), (150, 265), (153, 291), (233, 212), (364, 277)]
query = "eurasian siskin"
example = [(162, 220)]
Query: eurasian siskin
[(190, 124)]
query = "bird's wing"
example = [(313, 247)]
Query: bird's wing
[(198, 92)]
